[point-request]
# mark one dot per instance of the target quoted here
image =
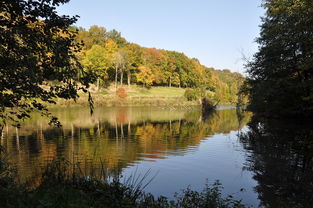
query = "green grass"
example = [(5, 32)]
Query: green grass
[(136, 96), (157, 92)]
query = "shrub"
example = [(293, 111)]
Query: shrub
[(121, 92), (191, 94)]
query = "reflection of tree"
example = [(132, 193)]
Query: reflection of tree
[(282, 161), (120, 137)]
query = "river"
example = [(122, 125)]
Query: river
[(178, 147)]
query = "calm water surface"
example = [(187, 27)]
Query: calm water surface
[(180, 147)]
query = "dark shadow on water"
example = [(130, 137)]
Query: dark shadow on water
[(281, 157)]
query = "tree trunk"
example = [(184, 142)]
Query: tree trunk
[(170, 85), (170, 126), (129, 130), (122, 131), (115, 77), (116, 131), (17, 139), (1, 132), (98, 84), (128, 78), (121, 77)]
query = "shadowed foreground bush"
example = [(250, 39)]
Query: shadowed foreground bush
[(63, 185)]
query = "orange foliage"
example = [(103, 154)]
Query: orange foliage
[(121, 92)]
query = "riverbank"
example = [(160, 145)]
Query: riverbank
[(135, 96)]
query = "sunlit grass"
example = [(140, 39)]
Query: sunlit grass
[(136, 96), (158, 92)]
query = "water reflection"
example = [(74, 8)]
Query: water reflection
[(118, 136), (281, 157)]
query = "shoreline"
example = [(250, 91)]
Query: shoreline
[(136, 96)]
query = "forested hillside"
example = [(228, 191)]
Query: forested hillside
[(115, 60)]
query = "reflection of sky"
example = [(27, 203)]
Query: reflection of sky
[(219, 157)]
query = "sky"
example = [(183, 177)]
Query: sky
[(216, 32)]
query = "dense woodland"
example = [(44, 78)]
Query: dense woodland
[(115, 60)]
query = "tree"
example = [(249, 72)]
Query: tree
[(155, 60), (96, 62), (134, 60), (94, 36), (37, 58), (116, 37), (110, 51), (120, 60), (145, 76), (280, 78)]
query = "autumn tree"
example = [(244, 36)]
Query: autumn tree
[(94, 36), (169, 68), (145, 76)]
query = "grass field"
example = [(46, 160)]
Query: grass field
[(156, 92), (136, 96)]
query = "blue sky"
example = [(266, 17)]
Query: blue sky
[(214, 31)]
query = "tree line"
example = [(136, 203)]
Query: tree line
[(115, 60)]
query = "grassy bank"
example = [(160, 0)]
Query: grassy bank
[(136, 96), (65, 185)]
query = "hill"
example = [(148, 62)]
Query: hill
[(115, 60)]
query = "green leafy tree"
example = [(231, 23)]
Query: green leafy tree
[(116, 37), (37, 58), (96, 62), (134, 60), (110, 50), (281, 74)]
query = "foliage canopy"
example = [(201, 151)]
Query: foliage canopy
[(281, 74), (37, 58), (133, 64)]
